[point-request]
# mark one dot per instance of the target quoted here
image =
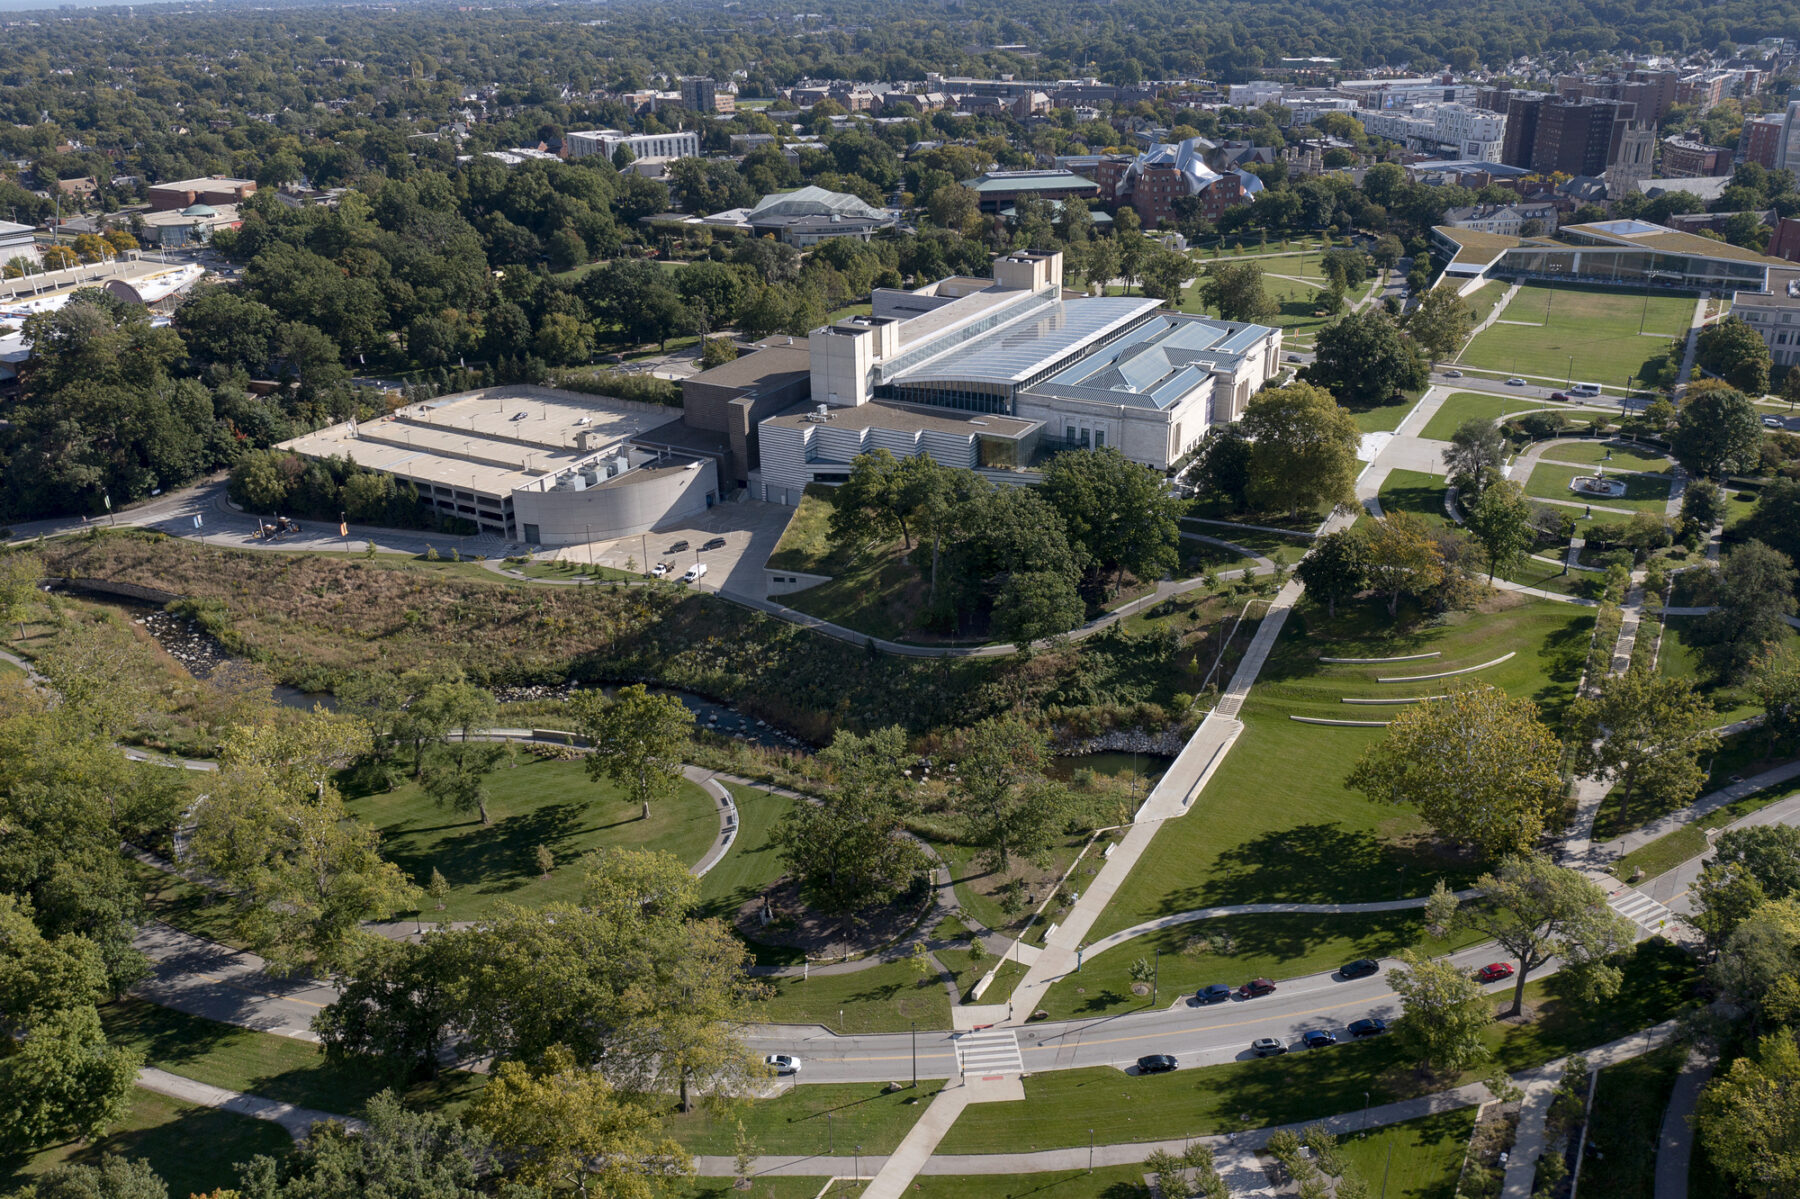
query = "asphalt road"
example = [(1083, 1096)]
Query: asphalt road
[(1195, 1035)]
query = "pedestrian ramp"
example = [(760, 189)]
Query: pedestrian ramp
[(1641, 910), (989, 1051)]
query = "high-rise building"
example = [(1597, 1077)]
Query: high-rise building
[(699, 93), (1762, 139), (1787, 147), (1547, 134)]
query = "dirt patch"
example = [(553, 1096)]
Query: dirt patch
[(791, 924)]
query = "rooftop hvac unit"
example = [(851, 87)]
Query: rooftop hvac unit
[(621, 464)]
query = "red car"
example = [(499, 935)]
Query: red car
[(1255, 987), (1493, 972)]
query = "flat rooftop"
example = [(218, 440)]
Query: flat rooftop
[(905, 418), (770, 365), (1669, 241), (1014, 352), (491, 442)]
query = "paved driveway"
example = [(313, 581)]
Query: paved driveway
[(751, 530)]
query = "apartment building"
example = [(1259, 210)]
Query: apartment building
[(642, 145)]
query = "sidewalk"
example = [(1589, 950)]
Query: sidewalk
[(298, 1121), (1675, 1144)]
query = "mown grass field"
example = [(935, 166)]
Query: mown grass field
[(1467, 406), (534, 802), (1598, 328), (1626, 1124), (194, 1149), (1643, 493), (1298, 835)]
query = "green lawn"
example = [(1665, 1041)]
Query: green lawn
[(1062, 1106), (1643, 493), (1689, 841), (1415, 492), (1598, 328), (768, 1186), (258, 1063), (806, 543), (571, 571), (884, 998), (177, 902), (1626, 1125), (194, 1149), (1551, 577), (1270, 946), (878, 593), (1385, 418), (1107, 1182), (1419, 1159), (1624, 455), (795, 1122), (1301, 836), (1467, 406), (1679, 657), (1277, 547), (754, 863), (1481, 301), (534, 802)]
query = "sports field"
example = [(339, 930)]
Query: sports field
[(1553, 333)]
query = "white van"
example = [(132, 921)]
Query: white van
[(695, 573), (1585, 389)]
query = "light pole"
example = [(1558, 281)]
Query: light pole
[(1571, 379), (915, 1054), (1156, 978), (830, 1136), (1365, 1126), (1090, 1151), (858, 1177)]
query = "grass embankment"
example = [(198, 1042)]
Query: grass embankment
[(1063, 1105), (257, 1063), (1416, 492), (1234, 949), (1596, 328), (534, 801), (1614, 454), (1299, 835), (194, 1149), (1625, 1127), (1689, 841), (890, 997)]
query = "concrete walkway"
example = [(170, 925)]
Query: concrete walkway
[(1711, 802), (1540, 1086), (1132, 1152), (1675, 1143), (919, 1144), (298, 1121)]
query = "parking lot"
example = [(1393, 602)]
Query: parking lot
[(750, 531)]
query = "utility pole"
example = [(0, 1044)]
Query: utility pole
[(1156, 978), (915, 1054)]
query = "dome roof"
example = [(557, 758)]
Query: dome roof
[(198, 210)]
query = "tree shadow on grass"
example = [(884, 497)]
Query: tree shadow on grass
[(195, 1152), (498, 855), (1561, 656), (1313, 863)]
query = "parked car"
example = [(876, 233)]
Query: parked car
[(1215, 993), (1267, 1047), (714, 544), (678, 547), (1373, 1026), (1317, 1038), (1360, 968), (695, 573), (659, 570), (1515, 381), (1493, 972), (1774, 422), (1155, 1063), (1293, 357), (783, 1063), (1255, 987), (1452, 374)]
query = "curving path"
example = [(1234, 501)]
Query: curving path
[(1195, 915)]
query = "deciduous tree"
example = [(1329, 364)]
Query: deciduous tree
[(1538, 910), (637, 739), (1337, 567), (1478, 764), (1645, 732), (1718, 431), (1754, 591), (1403, 559), (1118, 515), (1749, 867), (1440, 323), (1303, 448), (1443, 1013), (424, 1154), (1235, 289), (1500, 521), (1002, 792), (1749, 1121), (1476, 451), (1364, 357)]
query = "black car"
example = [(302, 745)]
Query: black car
[(714, 544), (1267, 1047), (678, 547), (1155, 1063), (1215, 993), (1317, 1038), (1374, 1026), (1360, 968)]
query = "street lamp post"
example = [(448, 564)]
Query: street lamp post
[(1156, 978), (1090, 1151), (1365, 1126), (915, 1054), (858, 1164)]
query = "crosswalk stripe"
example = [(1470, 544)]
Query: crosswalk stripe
[(1639, 908), (990, 1050)]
